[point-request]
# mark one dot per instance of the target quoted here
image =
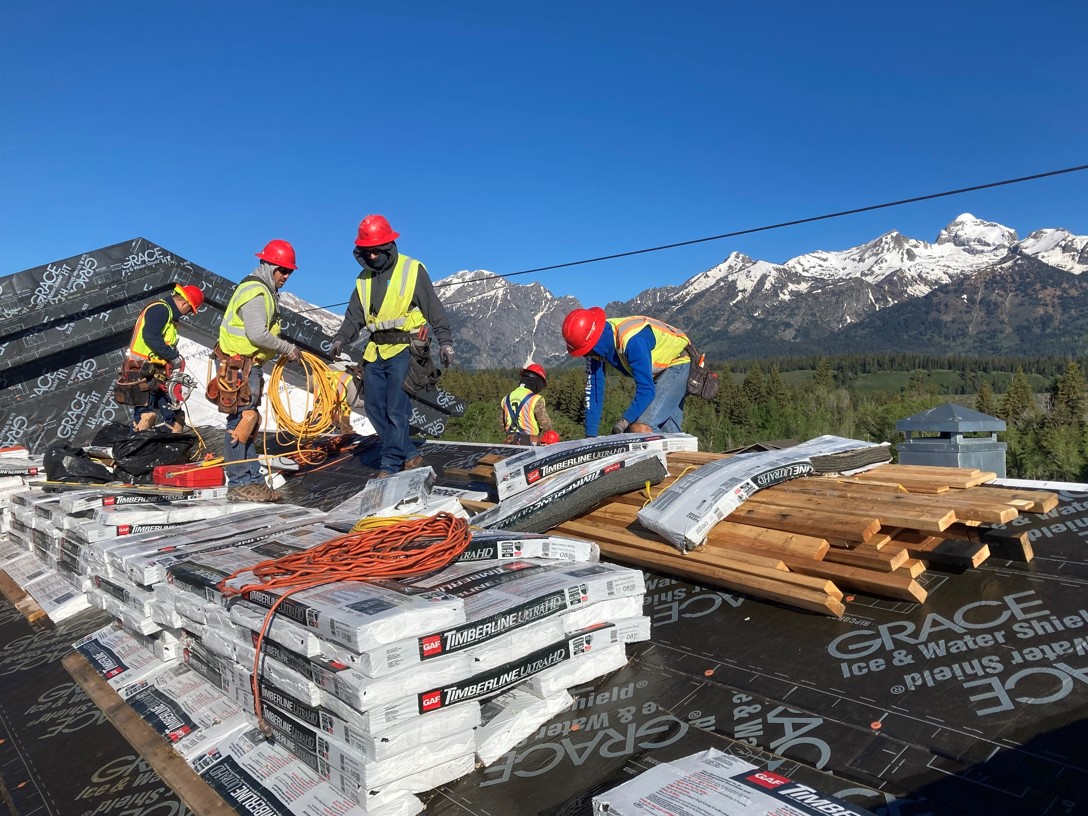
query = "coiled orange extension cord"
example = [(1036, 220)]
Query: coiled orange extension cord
[(395, 547)]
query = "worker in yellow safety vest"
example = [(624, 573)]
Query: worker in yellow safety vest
[(394, 300), (153, 356), (649, 351), (249, 337), (524, 414)]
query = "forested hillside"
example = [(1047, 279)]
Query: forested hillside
[(1042, 399)]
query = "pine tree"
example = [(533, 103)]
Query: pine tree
[(986, 402), (753, 386), (1069, 397), (823, 377), (1018, 404)]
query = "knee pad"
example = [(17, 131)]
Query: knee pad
[(247, 426)]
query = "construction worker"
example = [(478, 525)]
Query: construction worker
[(394, 300), (653, 353), (153, 356), (524, 414), (248, 337)]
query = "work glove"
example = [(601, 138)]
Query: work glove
[(177, 364), (335, 349), (294, 355), (445, 356), (620, 426)]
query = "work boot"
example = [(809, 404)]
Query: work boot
[(383, 474), (259, 492), (414, 462), (639, 427)]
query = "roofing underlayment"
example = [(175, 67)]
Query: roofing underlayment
[(973, 702)]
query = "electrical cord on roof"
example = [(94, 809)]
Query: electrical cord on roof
[(768, 227)]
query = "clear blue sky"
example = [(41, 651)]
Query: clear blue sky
[(505, 136)]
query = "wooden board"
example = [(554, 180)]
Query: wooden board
[(22, 601), (201, 799)]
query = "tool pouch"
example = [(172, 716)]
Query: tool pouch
[(702, 382), (230, 387), (133, 386)]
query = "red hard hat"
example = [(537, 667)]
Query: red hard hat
[(191, 294), (538, 370), (279, 253), (582, 328), (374, 230), (549, 438)]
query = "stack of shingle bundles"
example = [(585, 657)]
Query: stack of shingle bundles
[(386, 677), (128, 568), (36, 525), (212, 733)]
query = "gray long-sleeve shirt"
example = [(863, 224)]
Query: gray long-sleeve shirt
[(255, 319), (424, 299)]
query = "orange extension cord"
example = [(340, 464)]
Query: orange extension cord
[(396, 547)]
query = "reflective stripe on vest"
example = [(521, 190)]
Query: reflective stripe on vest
[(232, 331), (523, 419), (396, 310), (670, 344), (138, 349)]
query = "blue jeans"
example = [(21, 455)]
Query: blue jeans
[(665, 413), (388, 409), (245, 473)]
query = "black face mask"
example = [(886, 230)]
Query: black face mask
[(383, 258)]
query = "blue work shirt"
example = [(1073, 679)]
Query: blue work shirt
[(639, 356)]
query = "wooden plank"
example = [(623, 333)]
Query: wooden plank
[(806, 522), (913, 567), (800, 597), (24, 603), (1033, 501), (963, 554), (879, 561), (887, 585), (896, 511), (694, 457), (1014, 545), (620, 543), (200, 798), (953, 477)]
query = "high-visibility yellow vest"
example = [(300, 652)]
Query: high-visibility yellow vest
[(670, 344), (138, 349), (232, 331), (523, 402), (396, 310)]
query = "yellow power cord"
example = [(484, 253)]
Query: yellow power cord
[(322, 403)]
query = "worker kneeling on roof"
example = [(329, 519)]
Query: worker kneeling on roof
[(248, 337), (394, 300), (150, 378), (651, 352), (524, 415)]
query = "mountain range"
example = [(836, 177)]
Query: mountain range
[(977, 289)]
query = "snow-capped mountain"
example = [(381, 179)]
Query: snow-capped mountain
[(746, 307)]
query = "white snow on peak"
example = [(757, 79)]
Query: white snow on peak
[(1059, 248), (976, 236), (469, 285)]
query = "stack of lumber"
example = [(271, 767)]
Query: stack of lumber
[(808, 541)]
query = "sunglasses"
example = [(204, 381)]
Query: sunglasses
[(283, 270)]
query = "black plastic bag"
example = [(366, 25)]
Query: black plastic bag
[(64, 463), (138, 455)]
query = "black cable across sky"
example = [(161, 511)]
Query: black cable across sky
[(780, 225)]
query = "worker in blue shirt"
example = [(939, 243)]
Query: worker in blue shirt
[(649, 351)]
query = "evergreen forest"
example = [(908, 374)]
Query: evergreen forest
[(1042, 400)]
